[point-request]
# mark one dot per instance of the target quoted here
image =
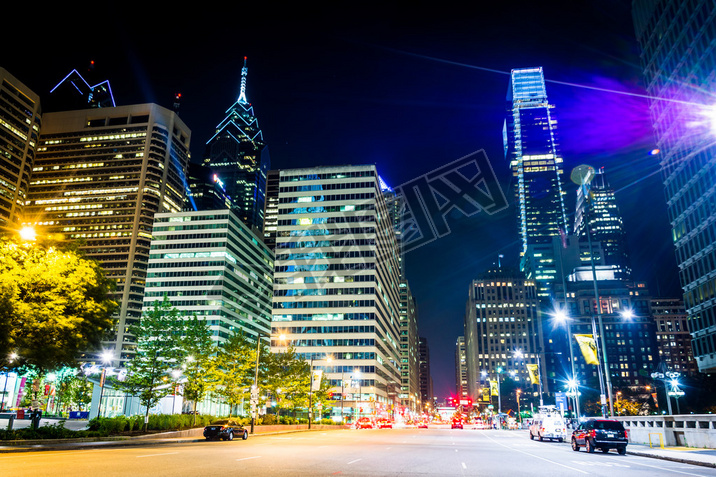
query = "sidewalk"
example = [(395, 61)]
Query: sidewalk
[(173, 437), (685, 455)]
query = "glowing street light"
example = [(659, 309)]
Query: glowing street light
[(561, 316), (28, 234)]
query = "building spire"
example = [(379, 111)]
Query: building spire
[(242, 95)]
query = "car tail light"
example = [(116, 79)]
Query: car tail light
[(592, 433)]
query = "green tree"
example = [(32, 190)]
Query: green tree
[(288, 378), (232, 370), (158, 338), (54, 304), (198, 350)]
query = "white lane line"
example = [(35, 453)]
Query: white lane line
[(464, 466), (354, 461), (665, 468), (247, 458), (536, 456), (154, 455)]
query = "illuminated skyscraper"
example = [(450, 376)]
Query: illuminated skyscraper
[(227, 281), (100, 176), (605, 224), (337, 283), (20, 120), (238, 155), (679, 60), (530, 142)]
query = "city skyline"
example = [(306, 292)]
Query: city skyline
[(409, 97)]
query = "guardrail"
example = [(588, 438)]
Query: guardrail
[(691, 430)]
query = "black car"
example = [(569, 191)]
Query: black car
[(225, 429), (604, 434)]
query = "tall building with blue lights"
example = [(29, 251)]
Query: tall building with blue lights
[(678, 53), (240, 158), (531, 146)]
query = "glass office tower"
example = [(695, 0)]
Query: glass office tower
[(240, 158), (99, 178), (679, 60), (20, 120), (606, 226), (530, 142), (337, 284)]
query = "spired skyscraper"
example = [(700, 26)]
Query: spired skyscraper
[(239, 157), (530, 141), (679, 59)]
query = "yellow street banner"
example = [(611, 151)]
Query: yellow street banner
[(534, 373), (493, 388), (588, 347), (486, 394)]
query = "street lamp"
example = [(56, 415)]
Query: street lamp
[(175, 374), (357, 375), (561, 316), (582, 176), (106, 359), (11, 358)]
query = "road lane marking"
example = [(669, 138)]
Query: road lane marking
[(354, 461), (664, 468), (536, 456), (154, 455), (247, 458), (464, 466)]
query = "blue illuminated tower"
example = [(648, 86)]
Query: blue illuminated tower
[(239, 157), (530, 140)]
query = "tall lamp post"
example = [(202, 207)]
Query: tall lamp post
[(106, 359), (561, 315), (11, 358), (582, 176)]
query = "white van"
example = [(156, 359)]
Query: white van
[(548, 426)]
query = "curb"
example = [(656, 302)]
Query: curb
[(673, 459)]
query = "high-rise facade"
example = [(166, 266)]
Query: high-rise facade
[(503, 331), (409, 360), (678, 54), (99, 177), (273, 180), (239, 156), (337, 282), (204, 189), (672, 336), (601, 214), (629, 332), (461, 369), (209, 264), (426, 380), (531, 145), (20, 119)]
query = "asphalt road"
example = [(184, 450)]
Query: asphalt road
[(377, 452)]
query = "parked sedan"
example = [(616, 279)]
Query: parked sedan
[(604, 434), (225, 429)]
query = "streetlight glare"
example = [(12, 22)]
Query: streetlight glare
[(28, 234), (628, 314), (106, 356)]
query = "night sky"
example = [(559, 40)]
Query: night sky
[(407, 89)]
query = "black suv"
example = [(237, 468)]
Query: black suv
[(604, 434)]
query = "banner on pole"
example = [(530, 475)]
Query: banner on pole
[(588, 347), (493, 388), (533, 369), (316, 380)]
